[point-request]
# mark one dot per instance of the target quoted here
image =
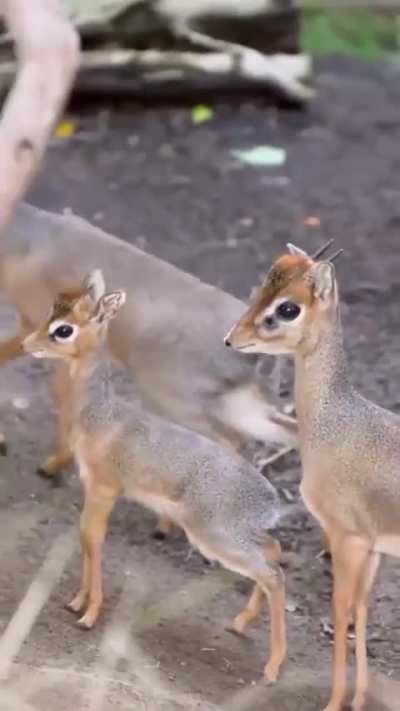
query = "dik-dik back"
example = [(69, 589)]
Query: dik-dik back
[(169, 334)]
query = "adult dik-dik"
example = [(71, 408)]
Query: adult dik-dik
[(168, 335), (350, 447)]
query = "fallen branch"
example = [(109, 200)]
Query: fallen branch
[(47, 49), (281, 70)]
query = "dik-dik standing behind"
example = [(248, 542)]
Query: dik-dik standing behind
[(350, 448), (168, 334), (224, 505)]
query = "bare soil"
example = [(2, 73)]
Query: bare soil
[(150, 176)]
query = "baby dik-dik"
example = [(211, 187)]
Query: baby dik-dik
[(225, 507), (350, 448)]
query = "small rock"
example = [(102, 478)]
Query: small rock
[(290, 605), (166, 151), (231, 242), (247, 222)]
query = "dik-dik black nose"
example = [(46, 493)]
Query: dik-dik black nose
[(227, 342)]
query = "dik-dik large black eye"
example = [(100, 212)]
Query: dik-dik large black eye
[(288, 311), (62, 332)]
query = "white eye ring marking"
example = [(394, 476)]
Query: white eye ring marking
[(55, 325), (271, 310)]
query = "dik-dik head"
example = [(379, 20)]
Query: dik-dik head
[(291, 306), (77, 322)]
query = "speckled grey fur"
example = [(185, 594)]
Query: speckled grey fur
[(350, 446), (226, 507)]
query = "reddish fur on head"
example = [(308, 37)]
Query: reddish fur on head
[(65, 302), (83, 311), (287, 273)]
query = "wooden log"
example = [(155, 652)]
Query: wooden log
[(172, 48)]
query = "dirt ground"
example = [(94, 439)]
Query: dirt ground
[(152, 177)]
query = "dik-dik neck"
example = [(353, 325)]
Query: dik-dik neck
[(322, 380), (91, 381)]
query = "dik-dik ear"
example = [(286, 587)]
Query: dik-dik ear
[(323, 278), (109, 305), (94, 285), (296, 251)]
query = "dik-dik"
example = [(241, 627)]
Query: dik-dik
[(350, 447), (169, 334), (223, 504)]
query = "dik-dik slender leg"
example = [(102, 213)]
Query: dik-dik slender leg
[(273, 554), (361, 614), (97, 509), (350, 558), (63, 396), (79, 601), (250, 612), (274, 589)]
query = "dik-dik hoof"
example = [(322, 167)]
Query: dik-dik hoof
[(43, 473), (68, 607), (3, 448), (55, 479), (54, 465), (359, 703), (239, 624), (333, 706), (88, 620), (84, 624), (76, 605), (271, 672)]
